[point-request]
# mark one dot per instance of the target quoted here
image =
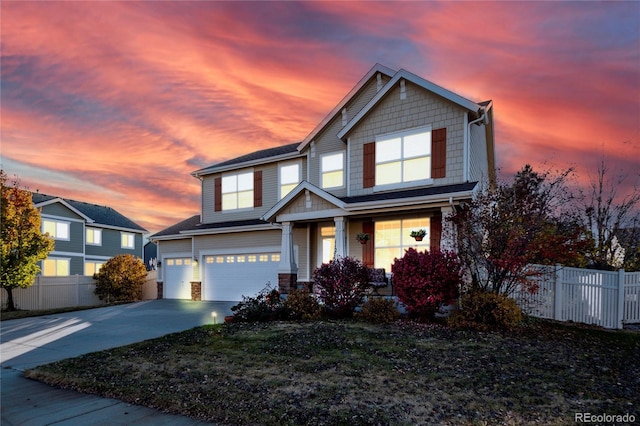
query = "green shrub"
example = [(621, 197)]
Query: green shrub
[(121, 279), (265, 306), (302, 305), (485, 311), (379, 310)]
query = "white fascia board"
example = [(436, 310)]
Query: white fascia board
[(377, 68), (413, 201), (314, 215), (67, 205), (246, 164), (425, 84), (304, 185), (117, 228), (229, 230)]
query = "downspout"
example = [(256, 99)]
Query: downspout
[(467, 148)]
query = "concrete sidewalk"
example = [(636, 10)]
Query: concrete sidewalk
[(29, 342)]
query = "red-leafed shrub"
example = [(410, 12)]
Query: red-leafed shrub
[(425, 280), (341, 284)]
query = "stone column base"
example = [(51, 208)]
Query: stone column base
[(160, 290), (196, 291), (287, 282)]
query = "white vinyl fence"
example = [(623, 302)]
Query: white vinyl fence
[(66, 292), (604, 298)]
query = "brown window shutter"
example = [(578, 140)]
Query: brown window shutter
[(436, 232), (257, 188), (439, 153), (217, 194), (369, 165), (368, 248)]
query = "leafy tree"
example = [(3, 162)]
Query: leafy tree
[(342, 283), (121, 278), (23, 244), (612, 223), (503, 231), (426, 280)]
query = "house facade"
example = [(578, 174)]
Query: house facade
[(397, 154), (86, 235)]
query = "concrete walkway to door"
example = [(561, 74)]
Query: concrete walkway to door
[(29, 342)]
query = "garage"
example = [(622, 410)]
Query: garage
[(228, 277), (178, 272)]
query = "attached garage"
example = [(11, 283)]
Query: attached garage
[(229, 276), (178, 272)]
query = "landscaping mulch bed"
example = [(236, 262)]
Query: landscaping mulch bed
[(344, 372)]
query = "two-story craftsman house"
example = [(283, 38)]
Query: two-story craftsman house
[(85, 235), (397, 154)]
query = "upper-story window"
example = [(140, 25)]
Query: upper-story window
[(332, 170), (289, 175), (127, 240), (94, 236), (237, 191), (403, 157), (57, 229)]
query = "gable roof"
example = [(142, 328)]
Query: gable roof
[(302, 186), (377, 68), (92, 213), (419, 81), (275, 153)]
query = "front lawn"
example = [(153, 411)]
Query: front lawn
[(356, 373)]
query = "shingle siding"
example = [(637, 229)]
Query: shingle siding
[(420, 108)]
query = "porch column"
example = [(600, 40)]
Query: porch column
[(341, 240), (448, 237), (287, 269)]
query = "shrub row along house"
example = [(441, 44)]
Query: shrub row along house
[(396, 155), (86, 235)]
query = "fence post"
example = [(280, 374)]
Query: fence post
[(77, 290), (39, 284), (620, 322), (557, 294)]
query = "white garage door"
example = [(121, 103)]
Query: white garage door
[(178, 273), (228, 277)]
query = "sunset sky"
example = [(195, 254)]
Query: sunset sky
[(116, 103)]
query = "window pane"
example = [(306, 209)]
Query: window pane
[(245, 182), (290, 174), (388, 150), (229, 184), (89, 268), (388, 173), (245, 199), (416, 169), (332, 179), (385, 257), (387, 233), (285, 189), (328, 248), (409, 225), (62, 230), (50, 227), (230, 201), (49, 267), (332, 162), (62, 268), (417, 145)]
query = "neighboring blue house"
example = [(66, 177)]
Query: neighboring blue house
[(86, 235)]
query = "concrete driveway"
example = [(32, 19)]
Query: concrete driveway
[(29, 342)]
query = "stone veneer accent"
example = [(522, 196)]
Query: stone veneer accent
[(287, 282), (196, 291), (160, 291)]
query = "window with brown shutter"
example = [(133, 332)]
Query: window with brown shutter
[(439, 153), (257, 188), (369, 165), (217, 194), (368, 247)]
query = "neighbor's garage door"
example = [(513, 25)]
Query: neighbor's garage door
[(177, 278), (228, 277)]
